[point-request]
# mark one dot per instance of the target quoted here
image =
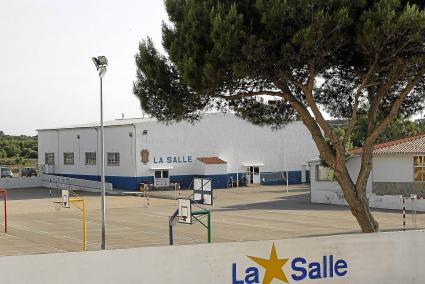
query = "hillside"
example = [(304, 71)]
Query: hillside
[(17, 149)]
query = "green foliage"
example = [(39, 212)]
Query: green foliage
[(399, 128), (21, 161), (234, 48), (21, 147), (420, 124)]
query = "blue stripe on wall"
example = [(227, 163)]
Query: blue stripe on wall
[(218, 181), (294, 177)]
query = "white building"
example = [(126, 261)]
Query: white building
[(220, 146), (398, 168)]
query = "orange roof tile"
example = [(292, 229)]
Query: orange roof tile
[(409, 145), (211, 160)]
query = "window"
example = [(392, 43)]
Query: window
[(68, 158), (419, 168), (49, 159), (324, 173), (90, 158), (113, 159), (161, 174)]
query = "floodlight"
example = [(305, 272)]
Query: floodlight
[(103, 61), (96, 62)]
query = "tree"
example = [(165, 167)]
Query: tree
[(21, 161), (420, 125), (399, 128), (333, 56)]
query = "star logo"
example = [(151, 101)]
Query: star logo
[(273, 266)]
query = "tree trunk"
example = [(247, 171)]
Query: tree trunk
[(359, 205)]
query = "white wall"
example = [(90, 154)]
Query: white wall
[(223, 135), (392, 169), (20, 182), (385, 169), (48, 143), (395, 257), (69, 142), (117, 139), (232, 139), (353, 166)]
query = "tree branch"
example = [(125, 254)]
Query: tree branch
[(308, 91), (396, 106), (356, 101), (374, 132), (326, 152), (248, 94)]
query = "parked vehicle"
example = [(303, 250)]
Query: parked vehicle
[(5, 172), (28, 172)]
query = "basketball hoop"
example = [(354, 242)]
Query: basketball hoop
[(58, 205)]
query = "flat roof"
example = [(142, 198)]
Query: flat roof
[(120, 122), (116, 122)]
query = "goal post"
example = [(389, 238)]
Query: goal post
[(3, 195), (276, 178)]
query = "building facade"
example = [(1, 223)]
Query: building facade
[(398, 169), (219, 146)]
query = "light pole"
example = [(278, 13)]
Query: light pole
[(101, 62)]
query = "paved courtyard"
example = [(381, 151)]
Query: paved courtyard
[(254, 213)]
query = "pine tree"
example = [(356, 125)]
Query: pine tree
[(316, 56)]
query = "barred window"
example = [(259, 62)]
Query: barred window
[(324, 173), (49, 158), (419, 168), (68, 158), (113, 159), (90, 158)]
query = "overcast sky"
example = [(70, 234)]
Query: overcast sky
[(47, 78)]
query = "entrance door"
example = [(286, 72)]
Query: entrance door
[(256, 179), (161, 178), (253, 175)]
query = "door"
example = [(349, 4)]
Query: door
[(249, 175), (253, 175), (256, 175)]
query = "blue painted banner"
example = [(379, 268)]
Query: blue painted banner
[(218, 181)]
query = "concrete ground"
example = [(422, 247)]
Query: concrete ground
[(255, 213)]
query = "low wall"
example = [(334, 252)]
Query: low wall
[(398, 188), (375, 201), (395, 257), (20, 182), (53, 181)]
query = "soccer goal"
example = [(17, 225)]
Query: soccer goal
[(411, 203), (276, 178)]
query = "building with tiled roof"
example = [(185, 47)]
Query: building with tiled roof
[(406, 146), (398, 168)]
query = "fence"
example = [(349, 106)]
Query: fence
[(60, 182)]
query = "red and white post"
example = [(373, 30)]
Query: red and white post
[(3, 195), (412, 198)]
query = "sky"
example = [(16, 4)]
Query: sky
[(47, 77)]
